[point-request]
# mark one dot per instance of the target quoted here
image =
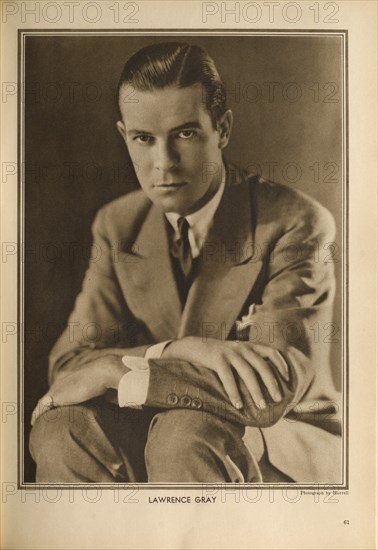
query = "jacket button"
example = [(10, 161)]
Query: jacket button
[(196, 403), (172, 399), (185, 401)]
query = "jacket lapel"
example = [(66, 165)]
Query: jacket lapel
[(148, 280), (227, 270)]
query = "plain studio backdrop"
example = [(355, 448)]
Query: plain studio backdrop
[(286, 95)]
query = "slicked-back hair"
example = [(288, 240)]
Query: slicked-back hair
[(176, 64)]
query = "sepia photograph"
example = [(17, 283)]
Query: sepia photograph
[(183, 207)]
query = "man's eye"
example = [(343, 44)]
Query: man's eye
[(142, 139), (186, 134)]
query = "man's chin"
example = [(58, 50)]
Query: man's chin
[(171, 204)]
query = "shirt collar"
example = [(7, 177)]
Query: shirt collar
[(201, 220)]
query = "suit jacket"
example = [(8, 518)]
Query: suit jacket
[(261, 260)]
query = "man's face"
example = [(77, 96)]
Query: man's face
[(176, 152)]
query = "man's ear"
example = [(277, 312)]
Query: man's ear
[(121, 129), (224, 128)]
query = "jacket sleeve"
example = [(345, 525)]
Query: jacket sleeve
[(100, 323), (297, 294)]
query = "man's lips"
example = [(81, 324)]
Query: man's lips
[(172, 185)]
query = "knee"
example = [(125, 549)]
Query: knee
[(55, 431), (189, 446), (177, 437)]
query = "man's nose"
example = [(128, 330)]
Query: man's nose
[(166, 157)]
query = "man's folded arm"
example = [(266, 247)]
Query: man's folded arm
[(299, 294), (100, 323)]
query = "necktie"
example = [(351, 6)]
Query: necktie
[(181, 248)]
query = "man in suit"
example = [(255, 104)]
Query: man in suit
[(189, 355)]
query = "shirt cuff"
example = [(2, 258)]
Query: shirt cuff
[(133, 386), (156, 351)]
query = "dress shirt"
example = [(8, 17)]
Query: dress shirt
[(199, 222), (133, 386)]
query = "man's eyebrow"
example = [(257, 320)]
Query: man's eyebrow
[(184, 126)]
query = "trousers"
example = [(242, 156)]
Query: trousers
[(98, 442)]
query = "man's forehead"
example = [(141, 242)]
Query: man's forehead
[(164, 108)]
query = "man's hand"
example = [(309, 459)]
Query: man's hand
[(88, 381), (248, 360)]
